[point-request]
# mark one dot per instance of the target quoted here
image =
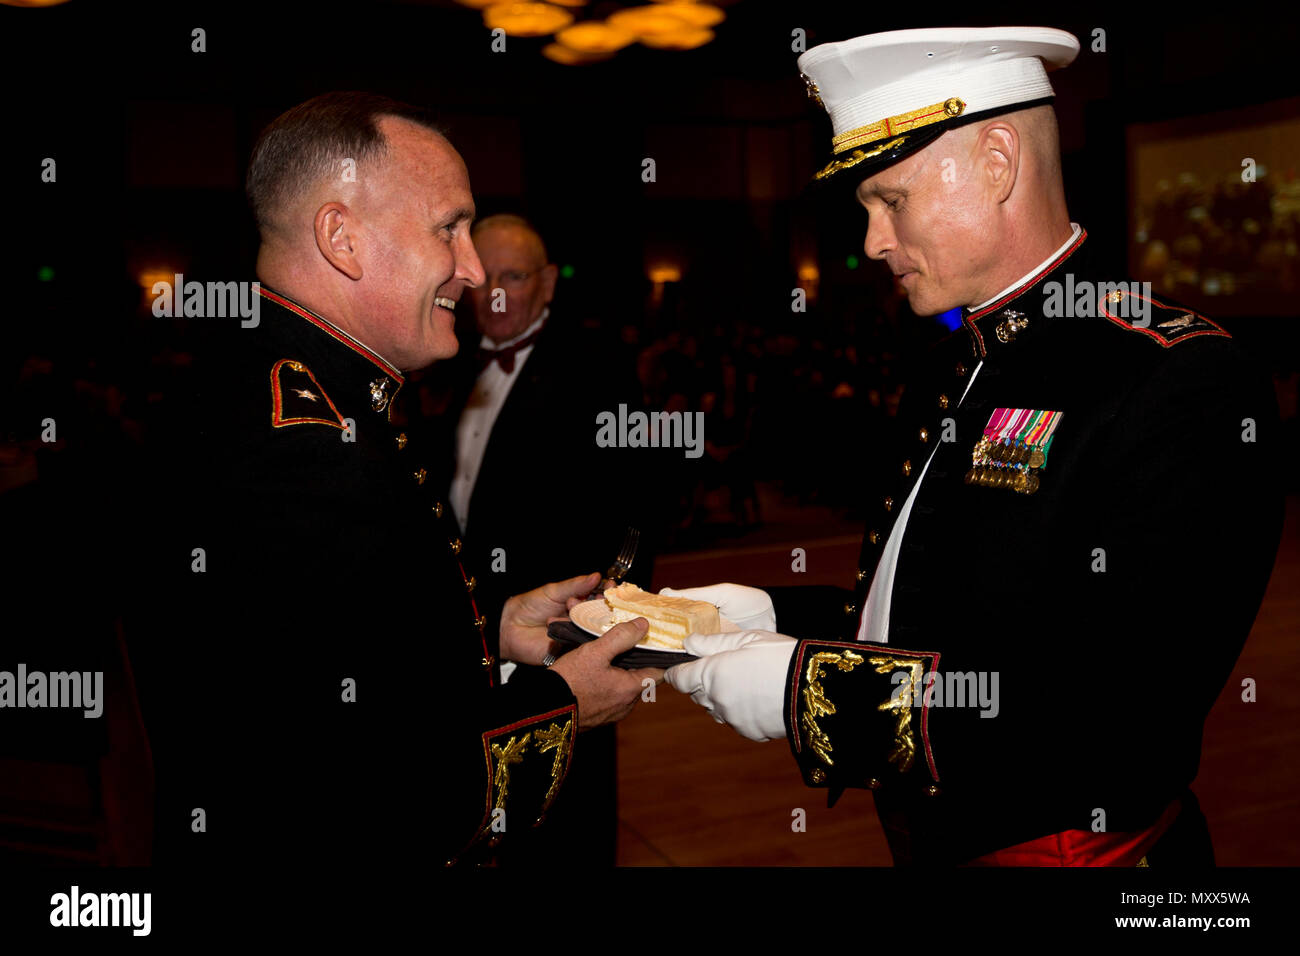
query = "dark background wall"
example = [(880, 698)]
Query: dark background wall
[(151, 138)]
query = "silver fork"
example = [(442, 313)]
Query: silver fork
[(623, 563)]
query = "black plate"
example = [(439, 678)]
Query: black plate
[(570, 635)]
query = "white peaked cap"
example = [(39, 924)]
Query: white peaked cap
[(890, 94)]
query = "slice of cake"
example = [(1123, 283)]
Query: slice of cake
[(672, 619)]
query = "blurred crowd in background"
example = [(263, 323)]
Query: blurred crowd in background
[(783, 395), (1203, 241), (794, 402)]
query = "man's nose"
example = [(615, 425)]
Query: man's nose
[(880, 237), (468, 267)]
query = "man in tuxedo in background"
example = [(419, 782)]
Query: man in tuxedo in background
[(523, 409), (510, 315)]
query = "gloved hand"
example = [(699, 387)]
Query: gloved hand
[(750, 609), (739, 679)]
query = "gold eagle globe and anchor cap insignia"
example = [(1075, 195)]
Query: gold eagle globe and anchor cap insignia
[(892, 94), (814, 94)]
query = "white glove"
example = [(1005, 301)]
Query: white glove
[(750, 609), (739, 679)]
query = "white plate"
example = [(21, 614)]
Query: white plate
[(596, 617)]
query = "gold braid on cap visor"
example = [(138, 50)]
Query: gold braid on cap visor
[(890, 126)]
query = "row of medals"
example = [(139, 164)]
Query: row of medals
[(1006, 464)]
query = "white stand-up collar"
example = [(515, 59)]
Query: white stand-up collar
[(1035, 272)]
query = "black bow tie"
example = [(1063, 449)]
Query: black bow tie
[(505, 357)]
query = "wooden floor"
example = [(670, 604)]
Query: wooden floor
[(694, 793)]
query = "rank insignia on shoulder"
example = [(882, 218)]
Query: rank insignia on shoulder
[(1013, 449), (298, 399), (1162, 322)]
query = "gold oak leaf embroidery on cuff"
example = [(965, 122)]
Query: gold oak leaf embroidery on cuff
[(559, 739), (816, 703), (904, 752), (511, 753)]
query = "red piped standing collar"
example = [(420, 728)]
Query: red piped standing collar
[(969, 319), (334, 332)]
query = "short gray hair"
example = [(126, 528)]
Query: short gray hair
[(303, 146)]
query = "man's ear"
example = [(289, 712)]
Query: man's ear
[(549, 274), (332, 227), (999, 149)]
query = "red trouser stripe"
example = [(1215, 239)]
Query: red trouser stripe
[(1083, 847)]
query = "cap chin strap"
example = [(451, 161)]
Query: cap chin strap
[(900, 142), (902, 123)]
